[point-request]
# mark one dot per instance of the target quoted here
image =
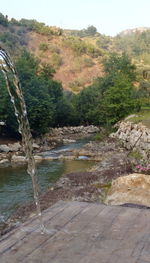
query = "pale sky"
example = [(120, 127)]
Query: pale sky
[(108, 16)]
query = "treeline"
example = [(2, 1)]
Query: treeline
[(15, 36), (106, 101), (30, 25)]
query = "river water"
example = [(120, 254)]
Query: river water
[(16, 185)]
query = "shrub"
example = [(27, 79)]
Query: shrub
[(43, 47), (92, 51), (135, 155), (77, 65), (76, 44), (80, 47), (100, 136), (88, 62), (3, 20), (54, 49), (75, 85), (56, 60)]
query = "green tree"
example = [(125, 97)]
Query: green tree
[(41, 95), (117, 101), (112, 97), (120, 64), (86, 104), (3, 20), (91, 30)]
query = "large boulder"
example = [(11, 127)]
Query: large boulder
[(133, 188)]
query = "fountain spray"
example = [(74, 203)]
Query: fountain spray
[(16, 95)]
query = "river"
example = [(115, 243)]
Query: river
[(15, 183)]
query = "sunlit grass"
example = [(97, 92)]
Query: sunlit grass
[(143, 116)]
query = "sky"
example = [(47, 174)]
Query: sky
[(110, 17)]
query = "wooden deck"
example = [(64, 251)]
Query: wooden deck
[(81, 232)]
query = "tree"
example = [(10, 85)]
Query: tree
[(41, 92), (118, 101), (3, 20), (7, 114), (41, 95), (91, 30), (110, 98), (120, 64), (86, 104)]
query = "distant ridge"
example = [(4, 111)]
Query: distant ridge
[(134, 30)]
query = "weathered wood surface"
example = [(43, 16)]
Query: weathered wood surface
[(81, 232)]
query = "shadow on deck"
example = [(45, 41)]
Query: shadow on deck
[(81, 232)]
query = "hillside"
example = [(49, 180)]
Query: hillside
[(133, 30), (75, 66), (76, 61), (76, 55), (77, 58)]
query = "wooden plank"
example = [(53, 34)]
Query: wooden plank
[(75, 241), (123, 222), (17, 234), (145, 253), (34, 239), (84, 233)]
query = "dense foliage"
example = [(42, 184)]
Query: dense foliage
[(42, 94), (112, 97), (80, 47), (3, 20), (105, 102)]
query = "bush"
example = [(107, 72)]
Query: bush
[(88, 62), (107, 130), (43, 47), (9, 39), (92, 51), (3, 20), (75, 85), (36, 26), (54, 49), (77, 65), (56, 60), (80, 47), (76, 44)]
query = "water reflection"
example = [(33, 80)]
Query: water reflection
[(16, 186)]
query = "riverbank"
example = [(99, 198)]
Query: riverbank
[(112, 161), (91, 185), (11, 153)]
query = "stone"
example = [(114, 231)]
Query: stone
[(65, 141), (36, 146), (4, 148), (15, 147), (38, 158), (133, 188), (133, 136), (18, 159), (4, 161)]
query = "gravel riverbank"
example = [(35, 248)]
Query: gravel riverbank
[(91, 186)]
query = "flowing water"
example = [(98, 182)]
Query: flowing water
[(15, 186), (17, 99)]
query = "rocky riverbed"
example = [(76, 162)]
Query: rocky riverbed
[(91, 186), (112, 163), (11, 154)]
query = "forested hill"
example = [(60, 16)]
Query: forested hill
[(76, 61), (55, 66), (76, 55)]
